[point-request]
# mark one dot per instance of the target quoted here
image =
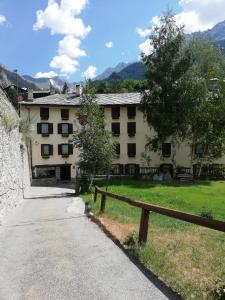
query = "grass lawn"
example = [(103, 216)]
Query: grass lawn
[(188, 258)]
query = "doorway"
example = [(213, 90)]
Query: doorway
[(65, 172)]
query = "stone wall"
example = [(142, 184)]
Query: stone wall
[(14, 168)]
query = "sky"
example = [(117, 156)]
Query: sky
[(81, 38)]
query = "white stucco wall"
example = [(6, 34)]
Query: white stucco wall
[(142, 130)]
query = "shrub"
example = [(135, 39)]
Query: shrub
[(25, 129), (219, 291), (206, 213), (9, 120), (132, 239)]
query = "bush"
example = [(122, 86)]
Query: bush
[(206, 213), (219, 291), (9, 120), (132, 239), (25, 129)]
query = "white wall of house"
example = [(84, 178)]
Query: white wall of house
[(142, 130)]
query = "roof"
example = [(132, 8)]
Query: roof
[(73, 100)]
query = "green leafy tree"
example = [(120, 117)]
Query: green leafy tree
[(166, 104), (94, 142), (207, 123)]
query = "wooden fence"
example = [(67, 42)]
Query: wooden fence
[(147, 208)]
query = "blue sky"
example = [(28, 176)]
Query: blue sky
[(73, 43)]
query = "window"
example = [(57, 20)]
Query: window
[(65, 129), (65, 114), (115, 112), (45, 129), (131, 128), (46, 150), (44, 172), (115, 170), (132, 169), (65, 149), (166, 149), (131, 150), (117, 149), (116, 129), (131, 111), (44, 113), (199, 150)]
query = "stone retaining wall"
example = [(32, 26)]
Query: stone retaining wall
[(14, 168)]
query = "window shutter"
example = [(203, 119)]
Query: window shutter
[(42, 150), (116, 128), (70, 128), (60, 128), (131, 111), (166, 149), (117, 149), (44, 113), (131, 150), (50, 149), (50, 128), (131, 128), (115, 112), (39, 128), (65, 114), (70, 149), (60, 149)]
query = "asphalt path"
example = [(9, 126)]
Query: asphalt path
[(50, 250)]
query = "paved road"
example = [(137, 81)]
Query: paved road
[(50, 250)]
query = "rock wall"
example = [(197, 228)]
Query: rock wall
[(14, 168)]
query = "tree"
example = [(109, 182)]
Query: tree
[(65, 88), (207, 123), (166, 104), (94, 142)]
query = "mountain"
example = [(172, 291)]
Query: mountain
[(110, 71), (217, 33), (8, 77), (132, 71), (45, 83)]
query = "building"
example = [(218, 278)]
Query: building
[(54, 120)]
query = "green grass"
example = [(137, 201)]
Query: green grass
[(187, 257)]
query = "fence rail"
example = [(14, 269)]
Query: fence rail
[(147, 208)]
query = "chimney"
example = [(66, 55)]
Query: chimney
[(30, 94), (78, 89)]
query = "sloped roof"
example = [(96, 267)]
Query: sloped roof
[(73, 100)]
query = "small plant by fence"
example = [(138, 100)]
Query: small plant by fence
[(147, 208)]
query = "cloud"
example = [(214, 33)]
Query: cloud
[(2, 19), (200, 15), (62, 19), (65, 64), (50, 74), (196, 15), (109, 44), (70, 46), (145, 47), (90, 72), (143, 32)]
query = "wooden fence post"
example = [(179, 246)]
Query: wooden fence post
[(95, 194), (143, 230), (103, 202)]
